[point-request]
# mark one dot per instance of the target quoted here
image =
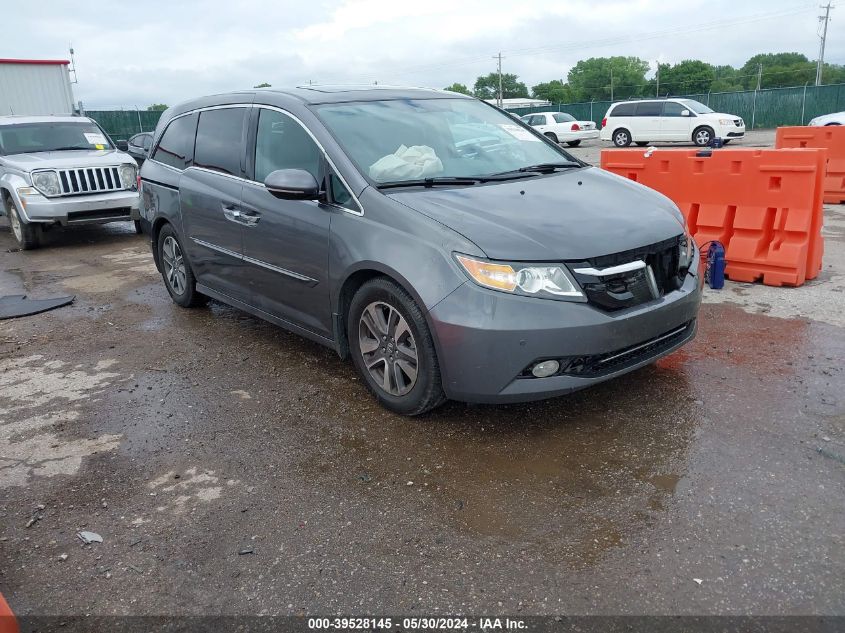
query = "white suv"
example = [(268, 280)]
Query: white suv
[(681, 120)]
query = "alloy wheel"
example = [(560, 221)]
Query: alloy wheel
[(388, 348), (702, 138), (174, 265)]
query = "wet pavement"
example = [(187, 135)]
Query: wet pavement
[(232, 467)]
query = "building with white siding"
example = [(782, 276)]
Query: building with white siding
[(35, 86)]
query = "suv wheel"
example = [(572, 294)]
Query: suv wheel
[(176, 271), (622, 138), (573, 143), (702, 136), (26, 234), (392, 348), (551, 136)]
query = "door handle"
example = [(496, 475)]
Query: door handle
[(232, 213), (248, 217)]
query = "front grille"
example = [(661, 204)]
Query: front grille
[(600, 364), (89, 180), (737, 122), (658, 274)]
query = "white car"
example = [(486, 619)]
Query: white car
[(679, 120), (562, 127), (837, 118)]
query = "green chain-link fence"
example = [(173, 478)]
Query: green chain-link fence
[(121, 124), (760, 109)]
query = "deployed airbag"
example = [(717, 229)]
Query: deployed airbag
[(407, 163)]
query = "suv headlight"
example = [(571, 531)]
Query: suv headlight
[(686, 251), (726, 121), (47, 182), (551, 281), (129, 176)]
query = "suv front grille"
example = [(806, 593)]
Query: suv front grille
[(644, 274), (89, 180)]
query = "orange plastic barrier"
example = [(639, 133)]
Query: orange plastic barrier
[(829, 137), (8, 623), (764, 205)]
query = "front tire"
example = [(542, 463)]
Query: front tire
[(703, 136), (26, 234), (392, 348), (139, 228), (622, 138), (176, 271), (573, 143)]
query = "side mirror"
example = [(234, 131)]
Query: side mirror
[(684, 112), (123, 146), (292, 184)]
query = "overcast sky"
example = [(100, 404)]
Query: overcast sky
[(166, 51)]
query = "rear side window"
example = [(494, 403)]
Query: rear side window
[(623, 109), (220, 141), (538, 119), (649, 108), (563, 117), (174, 148)]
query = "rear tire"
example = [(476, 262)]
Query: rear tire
[(176, 271), (573, 143), (392, 348), (621, 137), (703, 136), (551, 136), (26, 234)]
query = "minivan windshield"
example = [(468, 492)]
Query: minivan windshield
[(25, 138), (413, 139), (696, 106)]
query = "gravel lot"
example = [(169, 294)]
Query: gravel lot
[(231, 467)]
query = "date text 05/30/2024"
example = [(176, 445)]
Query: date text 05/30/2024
[(434, 623)]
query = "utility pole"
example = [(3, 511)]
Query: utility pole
[(820, 64), (499, 101), (759, 75), (611, 83), (657, 76)]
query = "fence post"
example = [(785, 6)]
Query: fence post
[(140, 125), (803, 103), (754, 109), (591, 110)]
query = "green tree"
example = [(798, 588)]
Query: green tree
[(554, 91), (690, 76), (487, 87), (157, 107), (778, 70), (456, 87), (590, 78), (726, 79), (263, 84), (833, 74)]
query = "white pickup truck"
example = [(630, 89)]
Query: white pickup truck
[(62, 170)]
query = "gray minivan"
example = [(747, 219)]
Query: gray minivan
[(450, 250)]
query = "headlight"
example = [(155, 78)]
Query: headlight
[(549, 281), (726, 121), (47, 182), (686, 252), (129, 176)]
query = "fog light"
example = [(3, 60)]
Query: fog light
[(545, 369)]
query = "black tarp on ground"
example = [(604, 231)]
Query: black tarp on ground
[(12, 306)]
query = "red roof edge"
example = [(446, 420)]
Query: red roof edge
[(52, 62)]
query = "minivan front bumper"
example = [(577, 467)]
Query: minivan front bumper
[(487, 339)]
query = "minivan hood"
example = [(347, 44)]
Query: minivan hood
[(571, 215), (66, 159)]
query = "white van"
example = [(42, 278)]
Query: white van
[(680, 120)]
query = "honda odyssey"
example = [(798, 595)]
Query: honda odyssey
[(448, 249)]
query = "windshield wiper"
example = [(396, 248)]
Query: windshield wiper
[(57, 149), (547, 168), (430, 182)]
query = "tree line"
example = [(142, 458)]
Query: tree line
[(607, 78)]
